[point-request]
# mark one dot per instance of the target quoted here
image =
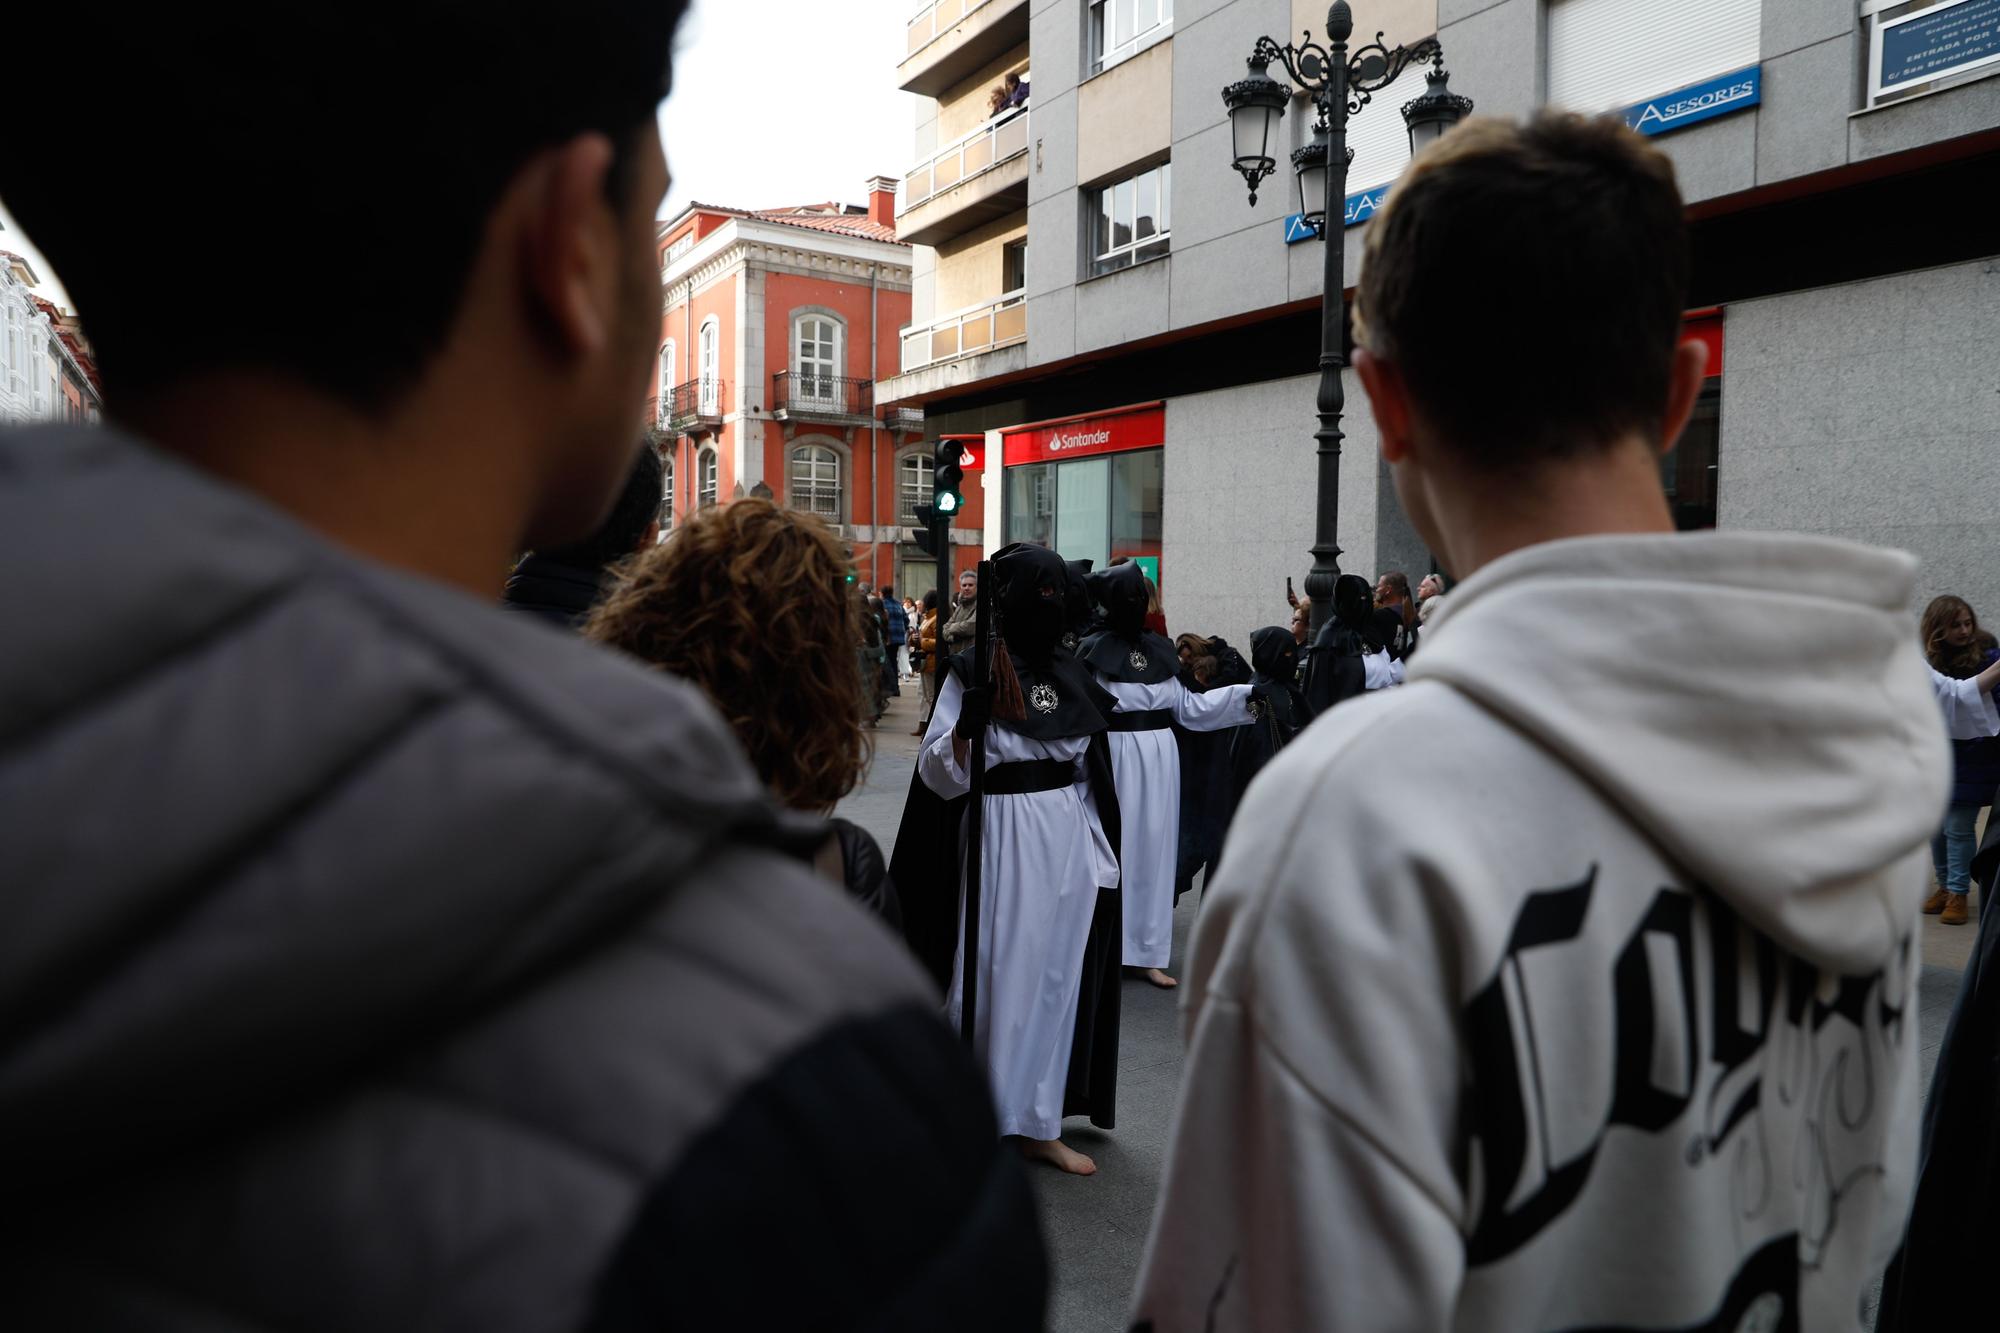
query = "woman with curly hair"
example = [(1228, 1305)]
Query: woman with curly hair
[(1964, 668), (738, 601)]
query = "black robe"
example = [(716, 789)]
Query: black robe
[(926, 866), (1933, 1283), (1205, 776)]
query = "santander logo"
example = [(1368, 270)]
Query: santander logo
[(1077, 440)]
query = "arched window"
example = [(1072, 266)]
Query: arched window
[(815, 481), (711, 367), (913, 485), (705, 479), (667, 489), (816, 360), (669, 367)]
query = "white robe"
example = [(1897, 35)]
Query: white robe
[(1043, 858), (1147, 766), (1968, 714)]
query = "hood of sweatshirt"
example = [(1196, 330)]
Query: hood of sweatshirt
[(1755, 703)]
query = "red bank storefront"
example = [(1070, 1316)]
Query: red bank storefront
[(1088, 487)]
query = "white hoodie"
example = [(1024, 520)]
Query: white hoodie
[(1572, 985)]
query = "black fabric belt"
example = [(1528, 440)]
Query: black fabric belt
[(1154, 719), (1029, 775)]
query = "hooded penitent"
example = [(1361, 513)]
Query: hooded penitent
[(1124, 649), (1076, 604), (1334, 670), (1279, 713), (1057, 696)]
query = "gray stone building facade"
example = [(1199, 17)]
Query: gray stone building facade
[(1831, 161)]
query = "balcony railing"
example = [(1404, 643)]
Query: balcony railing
[(696, 403), (934, 20), (903, 419), (821, 397), (998, 140), (980, 328)]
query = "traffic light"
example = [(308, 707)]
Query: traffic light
[(947, 477), (926, 536)]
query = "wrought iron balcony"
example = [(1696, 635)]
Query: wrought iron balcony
[(808, 396), (696, 405)]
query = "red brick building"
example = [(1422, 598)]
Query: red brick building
[(777, 325)]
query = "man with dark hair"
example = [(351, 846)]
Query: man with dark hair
[(1392, 593), (1624, 1036), (370, 958), (563, 583)]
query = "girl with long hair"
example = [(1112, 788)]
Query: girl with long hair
[(1965, 667), (737, 601)]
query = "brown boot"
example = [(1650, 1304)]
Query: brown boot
[(1954, 911), (1935, 903)]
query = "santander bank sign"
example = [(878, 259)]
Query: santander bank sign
[(1126, 428)]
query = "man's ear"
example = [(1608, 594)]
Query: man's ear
[(570, 243), (1390, 400), (1684, 381)]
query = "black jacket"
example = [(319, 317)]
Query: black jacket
[(560, 593), (867, 873)]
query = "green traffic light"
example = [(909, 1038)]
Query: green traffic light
[(948, 502)]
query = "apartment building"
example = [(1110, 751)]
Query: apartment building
[(777, 324), (1094, 295), (46, 369)]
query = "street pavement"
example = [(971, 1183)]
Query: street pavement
[(1096, 1226)]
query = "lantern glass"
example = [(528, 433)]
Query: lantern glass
[(1251, 125), (1309, 164)]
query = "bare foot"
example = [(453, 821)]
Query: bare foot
[(1160, 979), (1058, 1155)]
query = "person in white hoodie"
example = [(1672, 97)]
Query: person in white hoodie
[(1626, 1037)]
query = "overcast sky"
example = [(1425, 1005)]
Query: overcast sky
[(775, 102)]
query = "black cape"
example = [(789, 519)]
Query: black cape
[(1276, 718), (1205, 776), (1146, 660), (1933, 1283), (927, 864)]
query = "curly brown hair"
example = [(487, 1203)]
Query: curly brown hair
[(753, 603), (1939, 617)]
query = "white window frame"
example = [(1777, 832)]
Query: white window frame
[(1157, 16), (680, 245), (710, 368), (707, 477), (1111, 255), (914, 482), (816, 454), (818, 387), (669, 368)]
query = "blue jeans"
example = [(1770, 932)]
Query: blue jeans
[(1952, 848)]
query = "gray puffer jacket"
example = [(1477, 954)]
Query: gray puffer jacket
[(373, 959)]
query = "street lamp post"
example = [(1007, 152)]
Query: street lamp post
[(1340, 85)]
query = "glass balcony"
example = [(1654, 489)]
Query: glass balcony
[(949, 41), (981, 328)]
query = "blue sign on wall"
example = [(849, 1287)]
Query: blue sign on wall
[(1940, 41), (1360, 207), (1721, 96)]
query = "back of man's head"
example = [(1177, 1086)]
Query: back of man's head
[(321, 175), (1564, 235), (632, 517), (1399, 584)]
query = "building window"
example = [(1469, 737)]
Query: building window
[(815, 481), (706, 487), (1608, 54), (669, 360), (666, 491), (1121, 29), (913, 485), (710, 368), (1129, 220), (682, 244), (816, 361), (1014, 265)]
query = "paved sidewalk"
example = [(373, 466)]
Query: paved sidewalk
[(1096, 1226)]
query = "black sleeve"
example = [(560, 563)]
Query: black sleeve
[(861, 1185)]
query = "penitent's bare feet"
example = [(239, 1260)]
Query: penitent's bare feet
[(1160, 979), (1058, 1155)]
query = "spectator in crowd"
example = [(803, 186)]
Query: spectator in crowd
[(963, 622), (897, 623), (1010, 94), (1428, 591), (744, 595), (1497, 1069), (874, 656), (927, 660), (372, 958), (563, 583), (1962, 675), (1301, 622)]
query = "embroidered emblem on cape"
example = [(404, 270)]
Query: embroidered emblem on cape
[(1138, 660), (1256, 710), (1069, 641), (1043, 697)]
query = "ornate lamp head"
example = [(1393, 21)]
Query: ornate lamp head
[(1255, 106), (1436, 110)]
